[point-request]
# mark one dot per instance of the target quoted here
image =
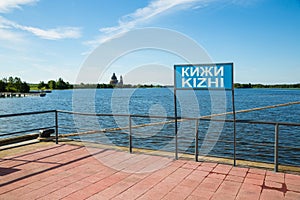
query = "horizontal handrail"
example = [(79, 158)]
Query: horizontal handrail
[(30, 130), (181, 118), (205, 118), (27, 113)]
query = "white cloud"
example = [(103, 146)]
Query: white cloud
[(53, 34), (8, 5), (143, 15), (50, 34)]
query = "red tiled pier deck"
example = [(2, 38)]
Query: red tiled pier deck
[(75, 172)]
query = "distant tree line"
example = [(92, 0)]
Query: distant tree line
[(54, 85), (236, 85), (103, 85), (13, 85), (149, 86), (249, 85)]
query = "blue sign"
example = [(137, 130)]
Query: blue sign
[(210, 76)]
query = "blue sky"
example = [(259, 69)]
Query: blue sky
[(48, 39)]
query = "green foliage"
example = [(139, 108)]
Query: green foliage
[(2, 86), (239, 85), (42, 86), (103, 85), (149, 86), (53, 85), (16, 85), (13, 85), (61, 84)]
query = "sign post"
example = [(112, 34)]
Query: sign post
[(216, 76)]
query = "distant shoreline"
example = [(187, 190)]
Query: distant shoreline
[(278, 86), (128, 86)]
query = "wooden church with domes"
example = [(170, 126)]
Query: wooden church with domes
[(114, 81)]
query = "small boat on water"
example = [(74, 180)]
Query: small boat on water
[(42, 94)]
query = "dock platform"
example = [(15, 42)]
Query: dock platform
[(18, 94), (73, 172)]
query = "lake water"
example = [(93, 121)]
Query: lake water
[(254, 142)]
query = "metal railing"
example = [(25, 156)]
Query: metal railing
[(35, 129), (130, 127)]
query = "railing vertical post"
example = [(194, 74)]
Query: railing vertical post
[(234, 127), (276, 148), (196, 140), (56, 127), (130, 135), (176, 125)]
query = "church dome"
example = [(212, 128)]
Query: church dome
[(113, 80)]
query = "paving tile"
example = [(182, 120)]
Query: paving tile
[(44, 191), (229, 187), (9, 196), (113, 190), (191, 183), (222, 169), (157, 192), (156, 164), (249, 191), (166, 185), (88, 191), (238, 179), (191, 165), (271, 184), (238, 171), (50, 196), (179, 163), (295, 188), (257, 171), (154, 193), (205, 168), (275, 177), (146, 184), (255, 176), (134, 191), (65, 191), (175, 196), (292, 179), (179, 174), (186, 187), (209, 164), (193, 197), (202, 193), (219, 196), (210, 184), (290, 195), (217, 176), (147, 164), (126, 161), (254, 181), (197, 175), (271, 194), (9, 187), (114, 178), (183, 190)]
